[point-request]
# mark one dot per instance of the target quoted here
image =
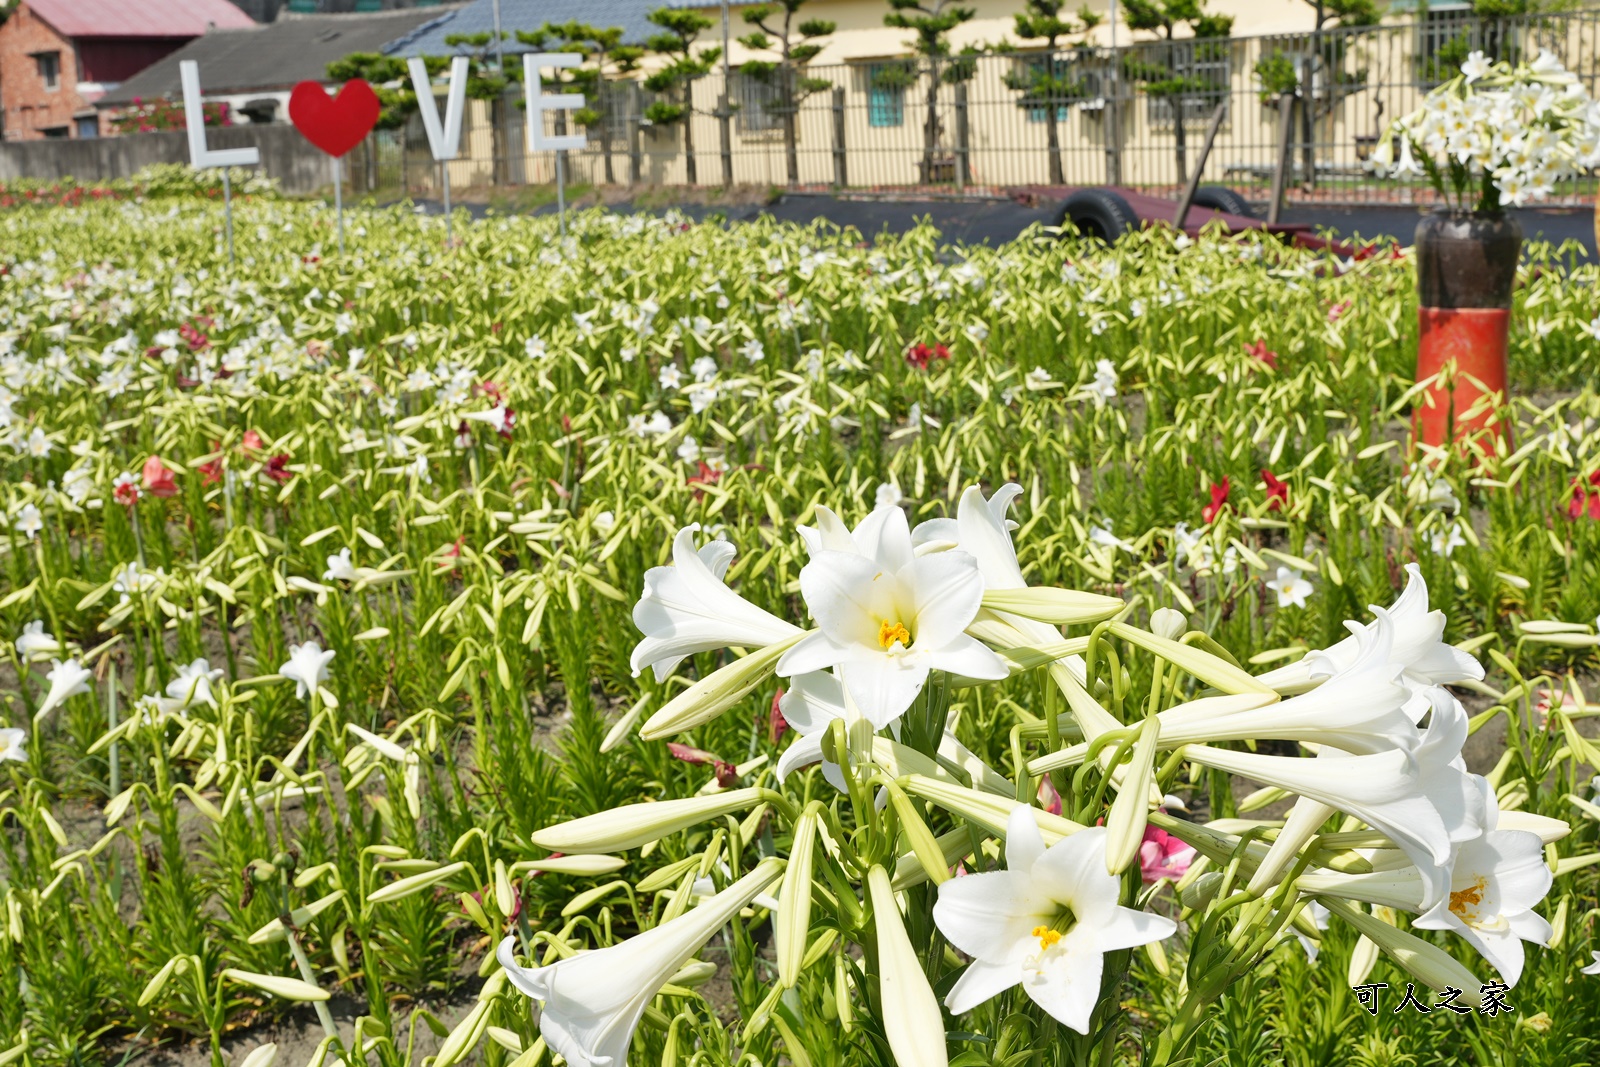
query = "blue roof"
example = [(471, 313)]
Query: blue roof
[(478, 17)]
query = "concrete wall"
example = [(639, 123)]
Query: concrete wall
[(294, 162)]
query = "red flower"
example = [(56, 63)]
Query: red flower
[(1260, 352), (211, 473), (493, 390), (706, 476), (777, 725), (1277, 491), (277, 468), (159, 480), (726, 772), (126, 494), (920, 355), (1584, 500), (252, 442), (1219, 500), (192, 336)]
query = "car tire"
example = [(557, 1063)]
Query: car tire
[(1221, 198), (1099, 214)]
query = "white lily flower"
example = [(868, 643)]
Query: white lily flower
[(11, 742), (982, 530), (498, 418), (340, 569), (1045, 923), (1457, 798), (1360, 709), (811, 702), (193, 684), (35, 642), (67, 679), (29, 520), (686, 608), (1291, 587), (887, 620), (1495, 882), (1593, 968), (592, 1002), (1475, 66), (307, 667), (1418, 647), (1383, 790)]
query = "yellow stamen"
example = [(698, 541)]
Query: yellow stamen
[(890, 632), (1464, 902), (1046, 936)]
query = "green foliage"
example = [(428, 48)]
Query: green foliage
[(930, 22), (685, 63), (1048, 82), (1276, 74), (487, 634)]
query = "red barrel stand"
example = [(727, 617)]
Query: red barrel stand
[(1466, 349)]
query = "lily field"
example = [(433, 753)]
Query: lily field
[(669, 643)]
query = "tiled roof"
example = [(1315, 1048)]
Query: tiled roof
[(274, 56), (144, 18), (478, 17)]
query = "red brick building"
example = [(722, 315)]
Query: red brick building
[(57, 57)]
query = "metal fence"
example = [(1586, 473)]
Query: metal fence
[(892, 124)]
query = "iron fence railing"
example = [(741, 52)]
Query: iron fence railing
[(1097, 121)]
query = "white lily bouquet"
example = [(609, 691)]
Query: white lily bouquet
[(917, 873), (1496, 135)]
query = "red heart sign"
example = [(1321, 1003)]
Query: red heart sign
[(334, 124)]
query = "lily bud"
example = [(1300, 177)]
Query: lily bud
[(1169, 623), (633, 825), (1059, 607), (715, 693), (794, 901), (1202, 891), (1131, 810), (1423, 960), (987, 810), (912, 1021)]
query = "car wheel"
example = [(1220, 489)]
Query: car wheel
[(1098, 213)]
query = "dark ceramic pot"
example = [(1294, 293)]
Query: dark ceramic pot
[(1466, 259)]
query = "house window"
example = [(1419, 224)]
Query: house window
[(886, 92), (56, 133), (88, 127), (620, 101), (759, 102), (49, 64), (1206, 69), (1030, 79)]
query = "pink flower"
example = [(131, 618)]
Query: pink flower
[(1336, 312), (159, 480), (1553, 700), (1049, 799), (1262, 354), (1163, 856)]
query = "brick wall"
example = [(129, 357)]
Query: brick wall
[(30, 108)]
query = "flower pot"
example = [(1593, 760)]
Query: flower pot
[(1466, 268)]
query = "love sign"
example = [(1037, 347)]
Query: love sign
[(334, 124), (201, 156)]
